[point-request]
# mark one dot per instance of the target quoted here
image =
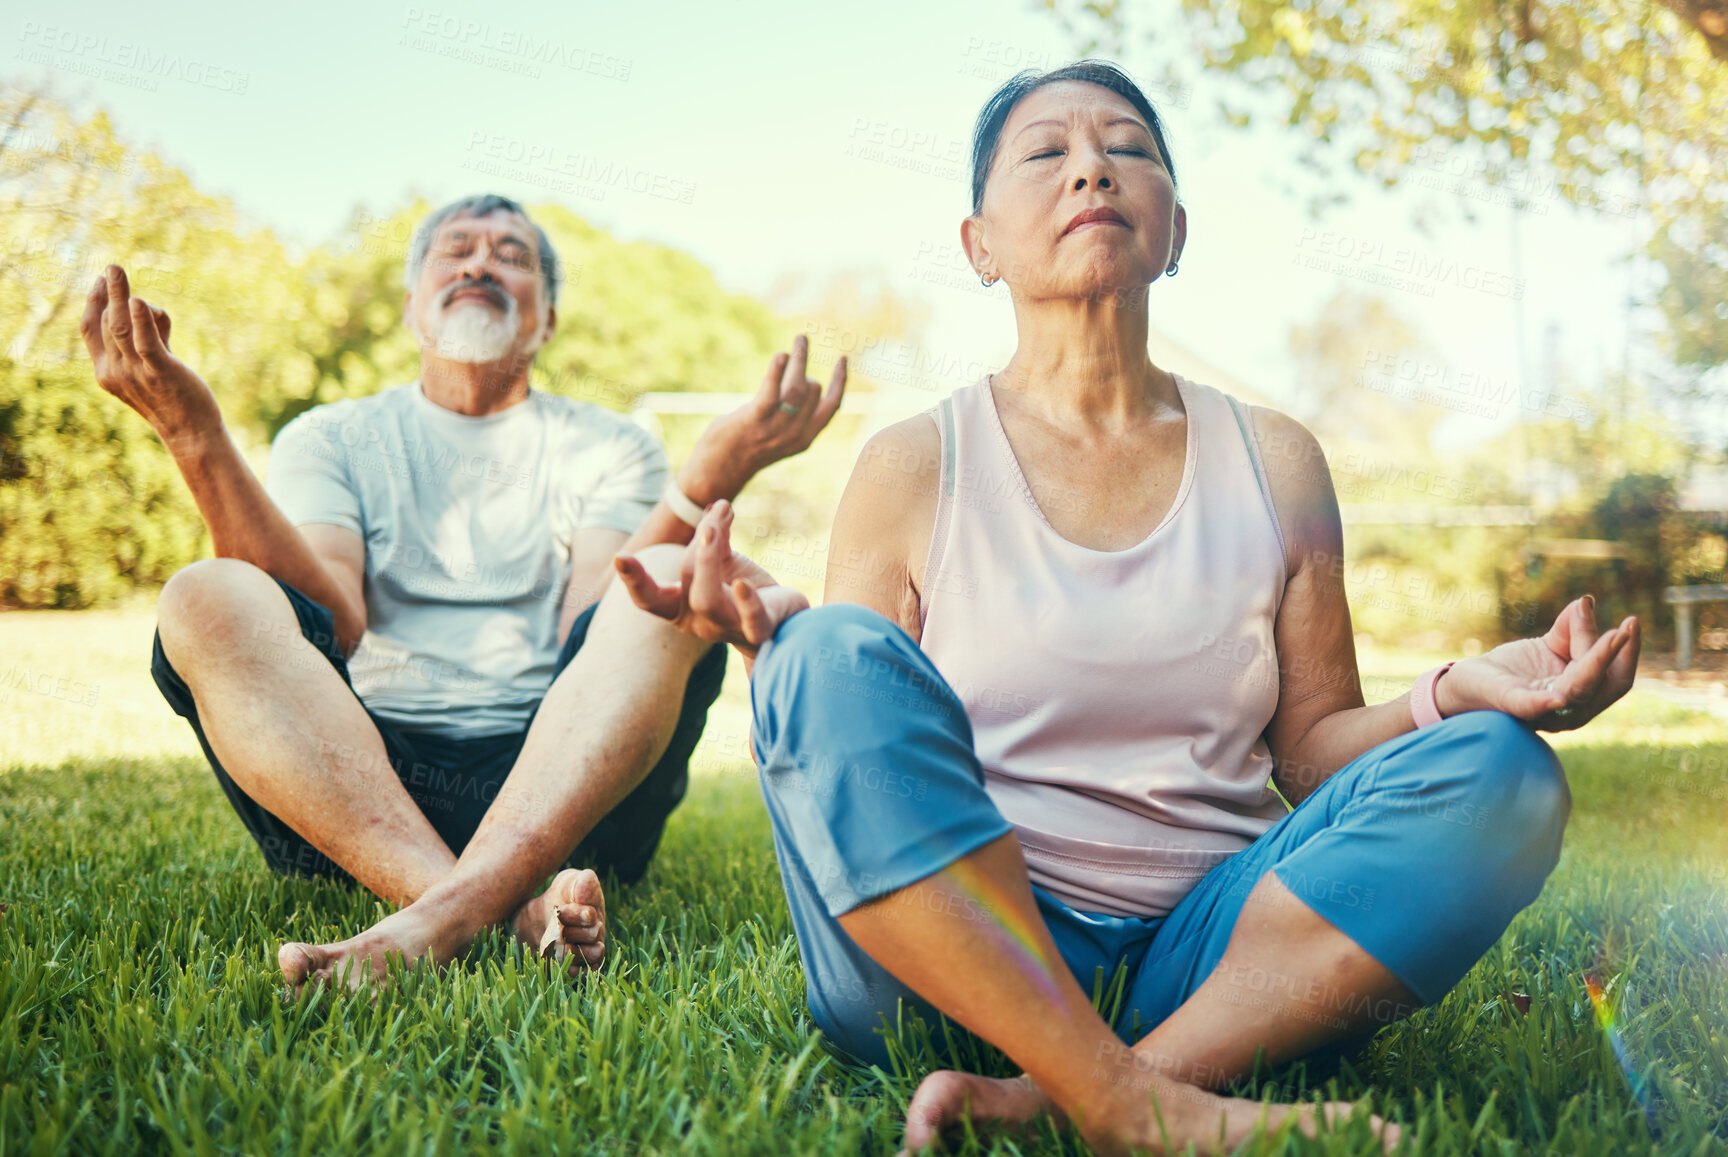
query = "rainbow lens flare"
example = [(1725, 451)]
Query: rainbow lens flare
[(1607, 1017)]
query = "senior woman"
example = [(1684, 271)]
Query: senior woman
[(1078, 627)]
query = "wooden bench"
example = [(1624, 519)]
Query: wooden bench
[(1684, 599)]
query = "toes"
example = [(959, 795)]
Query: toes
[(581, 923), (565, 937), (576, 919), (303, 965), (579, 886), (584, 931), (578, 915), (300, 962), (938, 1103)]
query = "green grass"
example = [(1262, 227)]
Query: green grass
[(142, 1010)]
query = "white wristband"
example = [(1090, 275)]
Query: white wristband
[(681, 505)]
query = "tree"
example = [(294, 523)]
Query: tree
[(91, 506), (1618, 106)]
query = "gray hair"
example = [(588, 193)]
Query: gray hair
[(479, 206)]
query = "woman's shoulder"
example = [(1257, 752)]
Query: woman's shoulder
[(885, 521), (1299, 481), (898, 470), (1279, 433), (917, 436)]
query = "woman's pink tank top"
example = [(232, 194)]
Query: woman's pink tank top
[(1117, 698)]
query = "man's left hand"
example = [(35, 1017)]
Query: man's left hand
[(1558, 682), (784, 417)]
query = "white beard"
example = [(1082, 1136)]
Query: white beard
[(475, 334)]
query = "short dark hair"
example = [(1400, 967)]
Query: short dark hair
[(987, 135), (480, 205)]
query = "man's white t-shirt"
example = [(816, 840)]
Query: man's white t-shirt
[(467, 524)]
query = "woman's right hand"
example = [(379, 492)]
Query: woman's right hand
[(128, 342), (722, 595)]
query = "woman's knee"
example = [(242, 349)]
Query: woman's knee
[(847, 1009), (1514, 783), (1524, 767), (865, 752), (834, 635), (850, 658)]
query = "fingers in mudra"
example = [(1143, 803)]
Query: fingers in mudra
[(1572, 673), (722, 596), (127, 339), (1590, 659), (796, 406)]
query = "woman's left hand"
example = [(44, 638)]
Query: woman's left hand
[(1558, 682), (722, 596)]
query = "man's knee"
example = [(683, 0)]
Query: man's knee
[(618, 616), (222, 602), (663, 561)]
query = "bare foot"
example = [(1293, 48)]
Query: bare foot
[(1183, 1114), (1163, 1114), (944, 1098), (408, 934), (567, 920)]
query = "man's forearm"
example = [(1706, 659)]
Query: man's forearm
[(245, 524), (701, 486)]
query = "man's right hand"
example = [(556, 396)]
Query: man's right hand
[(128, 342), (722, 596)]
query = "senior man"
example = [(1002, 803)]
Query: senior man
[(404, 664)]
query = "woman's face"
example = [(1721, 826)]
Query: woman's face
[(1078, 203)]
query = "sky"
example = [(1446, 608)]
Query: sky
[(774, 139)]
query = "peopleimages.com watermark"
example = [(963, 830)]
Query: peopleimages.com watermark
[(48, 685), (520, 51), (914, 149), (124, 62), (1525, 187), (546, 164), (1398, 267), (1483, 394)]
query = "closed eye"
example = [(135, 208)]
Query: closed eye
[(1131, 151)]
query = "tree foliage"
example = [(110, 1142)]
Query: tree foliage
[(1603, 464), (1618, 106), (91, 505)]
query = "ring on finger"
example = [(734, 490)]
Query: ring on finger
[(788, 407)]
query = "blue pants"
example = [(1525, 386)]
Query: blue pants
[(1421, 850)]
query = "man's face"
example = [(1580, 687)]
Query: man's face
[(481, 295)]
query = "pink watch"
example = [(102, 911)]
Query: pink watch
[(1422, 696)]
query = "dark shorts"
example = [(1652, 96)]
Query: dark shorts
[(454, 780)]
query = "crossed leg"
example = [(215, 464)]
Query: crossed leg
[(914, 889), (294, 738), (1212, 1040)]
